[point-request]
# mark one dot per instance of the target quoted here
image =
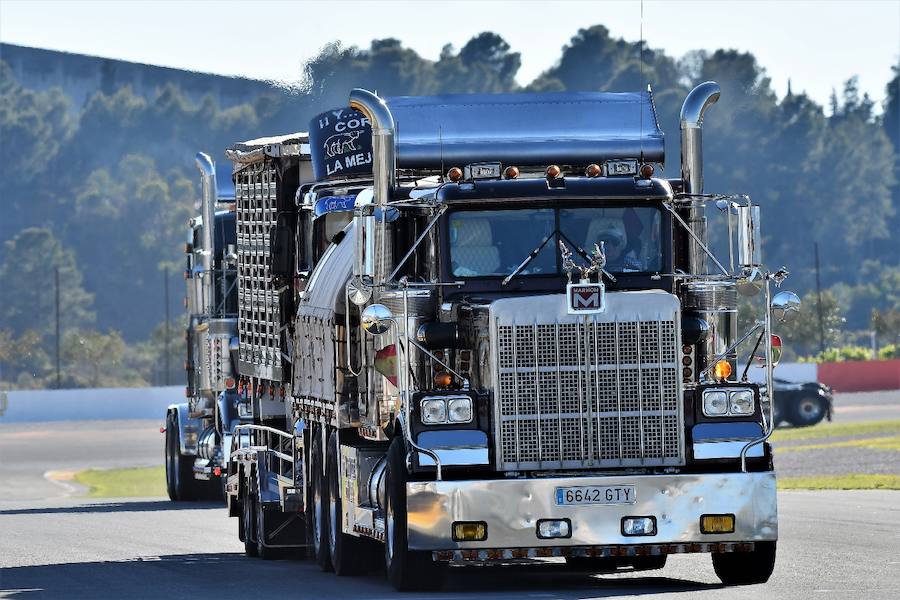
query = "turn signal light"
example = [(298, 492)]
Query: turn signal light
[(469, 531), (443, 379), (455, 174), (717, 524), (722, 370)]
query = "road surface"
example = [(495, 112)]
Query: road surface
[(833, 545), (54, 545)]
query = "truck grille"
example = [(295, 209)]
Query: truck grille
[(576, 392)]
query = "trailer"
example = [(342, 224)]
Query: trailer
[(477, 329)]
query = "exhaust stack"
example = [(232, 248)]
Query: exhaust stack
[(698, 100), (207, 169), (373, 259)]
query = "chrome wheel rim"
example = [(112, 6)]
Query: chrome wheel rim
[(317, 519), (332, 522), (809, 409), (389, 530)]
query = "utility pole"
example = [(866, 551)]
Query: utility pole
[(166, 342), (819, 302), (58, 378)]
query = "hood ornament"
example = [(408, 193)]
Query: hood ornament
[(597, 259)]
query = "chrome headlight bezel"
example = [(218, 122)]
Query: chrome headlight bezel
[(735, 402)]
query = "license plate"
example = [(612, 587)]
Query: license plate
[(596, 494)]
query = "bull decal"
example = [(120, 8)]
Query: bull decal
[(342, 143)]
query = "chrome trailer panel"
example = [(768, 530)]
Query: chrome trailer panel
[(511, 509)]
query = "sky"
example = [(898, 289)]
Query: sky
[(818, 44)]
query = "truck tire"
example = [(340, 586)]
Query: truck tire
[(180, 483), (745, 568), (318, 516), (262, 551), (346, 551), (807, 411), (248, 518), (407, 570)]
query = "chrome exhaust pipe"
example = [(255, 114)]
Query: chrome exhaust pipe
[(207, 169), (377, 261), (695, 105)]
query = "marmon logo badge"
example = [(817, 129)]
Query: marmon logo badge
[(585, 298)]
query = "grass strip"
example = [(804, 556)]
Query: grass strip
[(875, 443), (833, 430), (124, 483), (851, 481)]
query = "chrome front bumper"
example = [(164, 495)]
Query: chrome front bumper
[(512, 507)]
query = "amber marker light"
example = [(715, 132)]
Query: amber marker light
[(511, 172), (593, 170), (455, 174), (647, 171), (722, 370), (443, 379), (553, 171)]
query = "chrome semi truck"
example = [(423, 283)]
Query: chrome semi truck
[(483, 329), (198, 430)]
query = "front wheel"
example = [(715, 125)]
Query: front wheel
[(808, 411), (180, 482), (745, 568), (406, 569)]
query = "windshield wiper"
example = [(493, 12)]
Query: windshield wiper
[(531, 256)]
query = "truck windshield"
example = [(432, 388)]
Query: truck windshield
[(493, 243)]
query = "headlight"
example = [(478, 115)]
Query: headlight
[(460, 410), (715, 403), (741, 403), (434, 411), (719, 403)]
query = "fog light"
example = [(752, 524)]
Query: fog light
[(632, 526), (554, 528), (469, 531), (717, 524)]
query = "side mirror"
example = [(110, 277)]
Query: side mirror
[(785, 307), (377, 319), (749, 240), (776, 352)]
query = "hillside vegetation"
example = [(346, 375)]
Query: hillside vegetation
[(102, 192)]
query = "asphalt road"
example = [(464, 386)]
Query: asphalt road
[(833, 545), (866, 406), (54, 545), (29, 450)]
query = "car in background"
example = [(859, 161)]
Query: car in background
[(802, 404)]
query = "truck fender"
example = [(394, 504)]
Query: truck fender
[(188, 429)]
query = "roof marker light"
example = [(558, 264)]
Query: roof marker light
[(593, 170), (553, 171)]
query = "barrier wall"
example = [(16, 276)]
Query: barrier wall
[(861, 376), (88, 404)]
